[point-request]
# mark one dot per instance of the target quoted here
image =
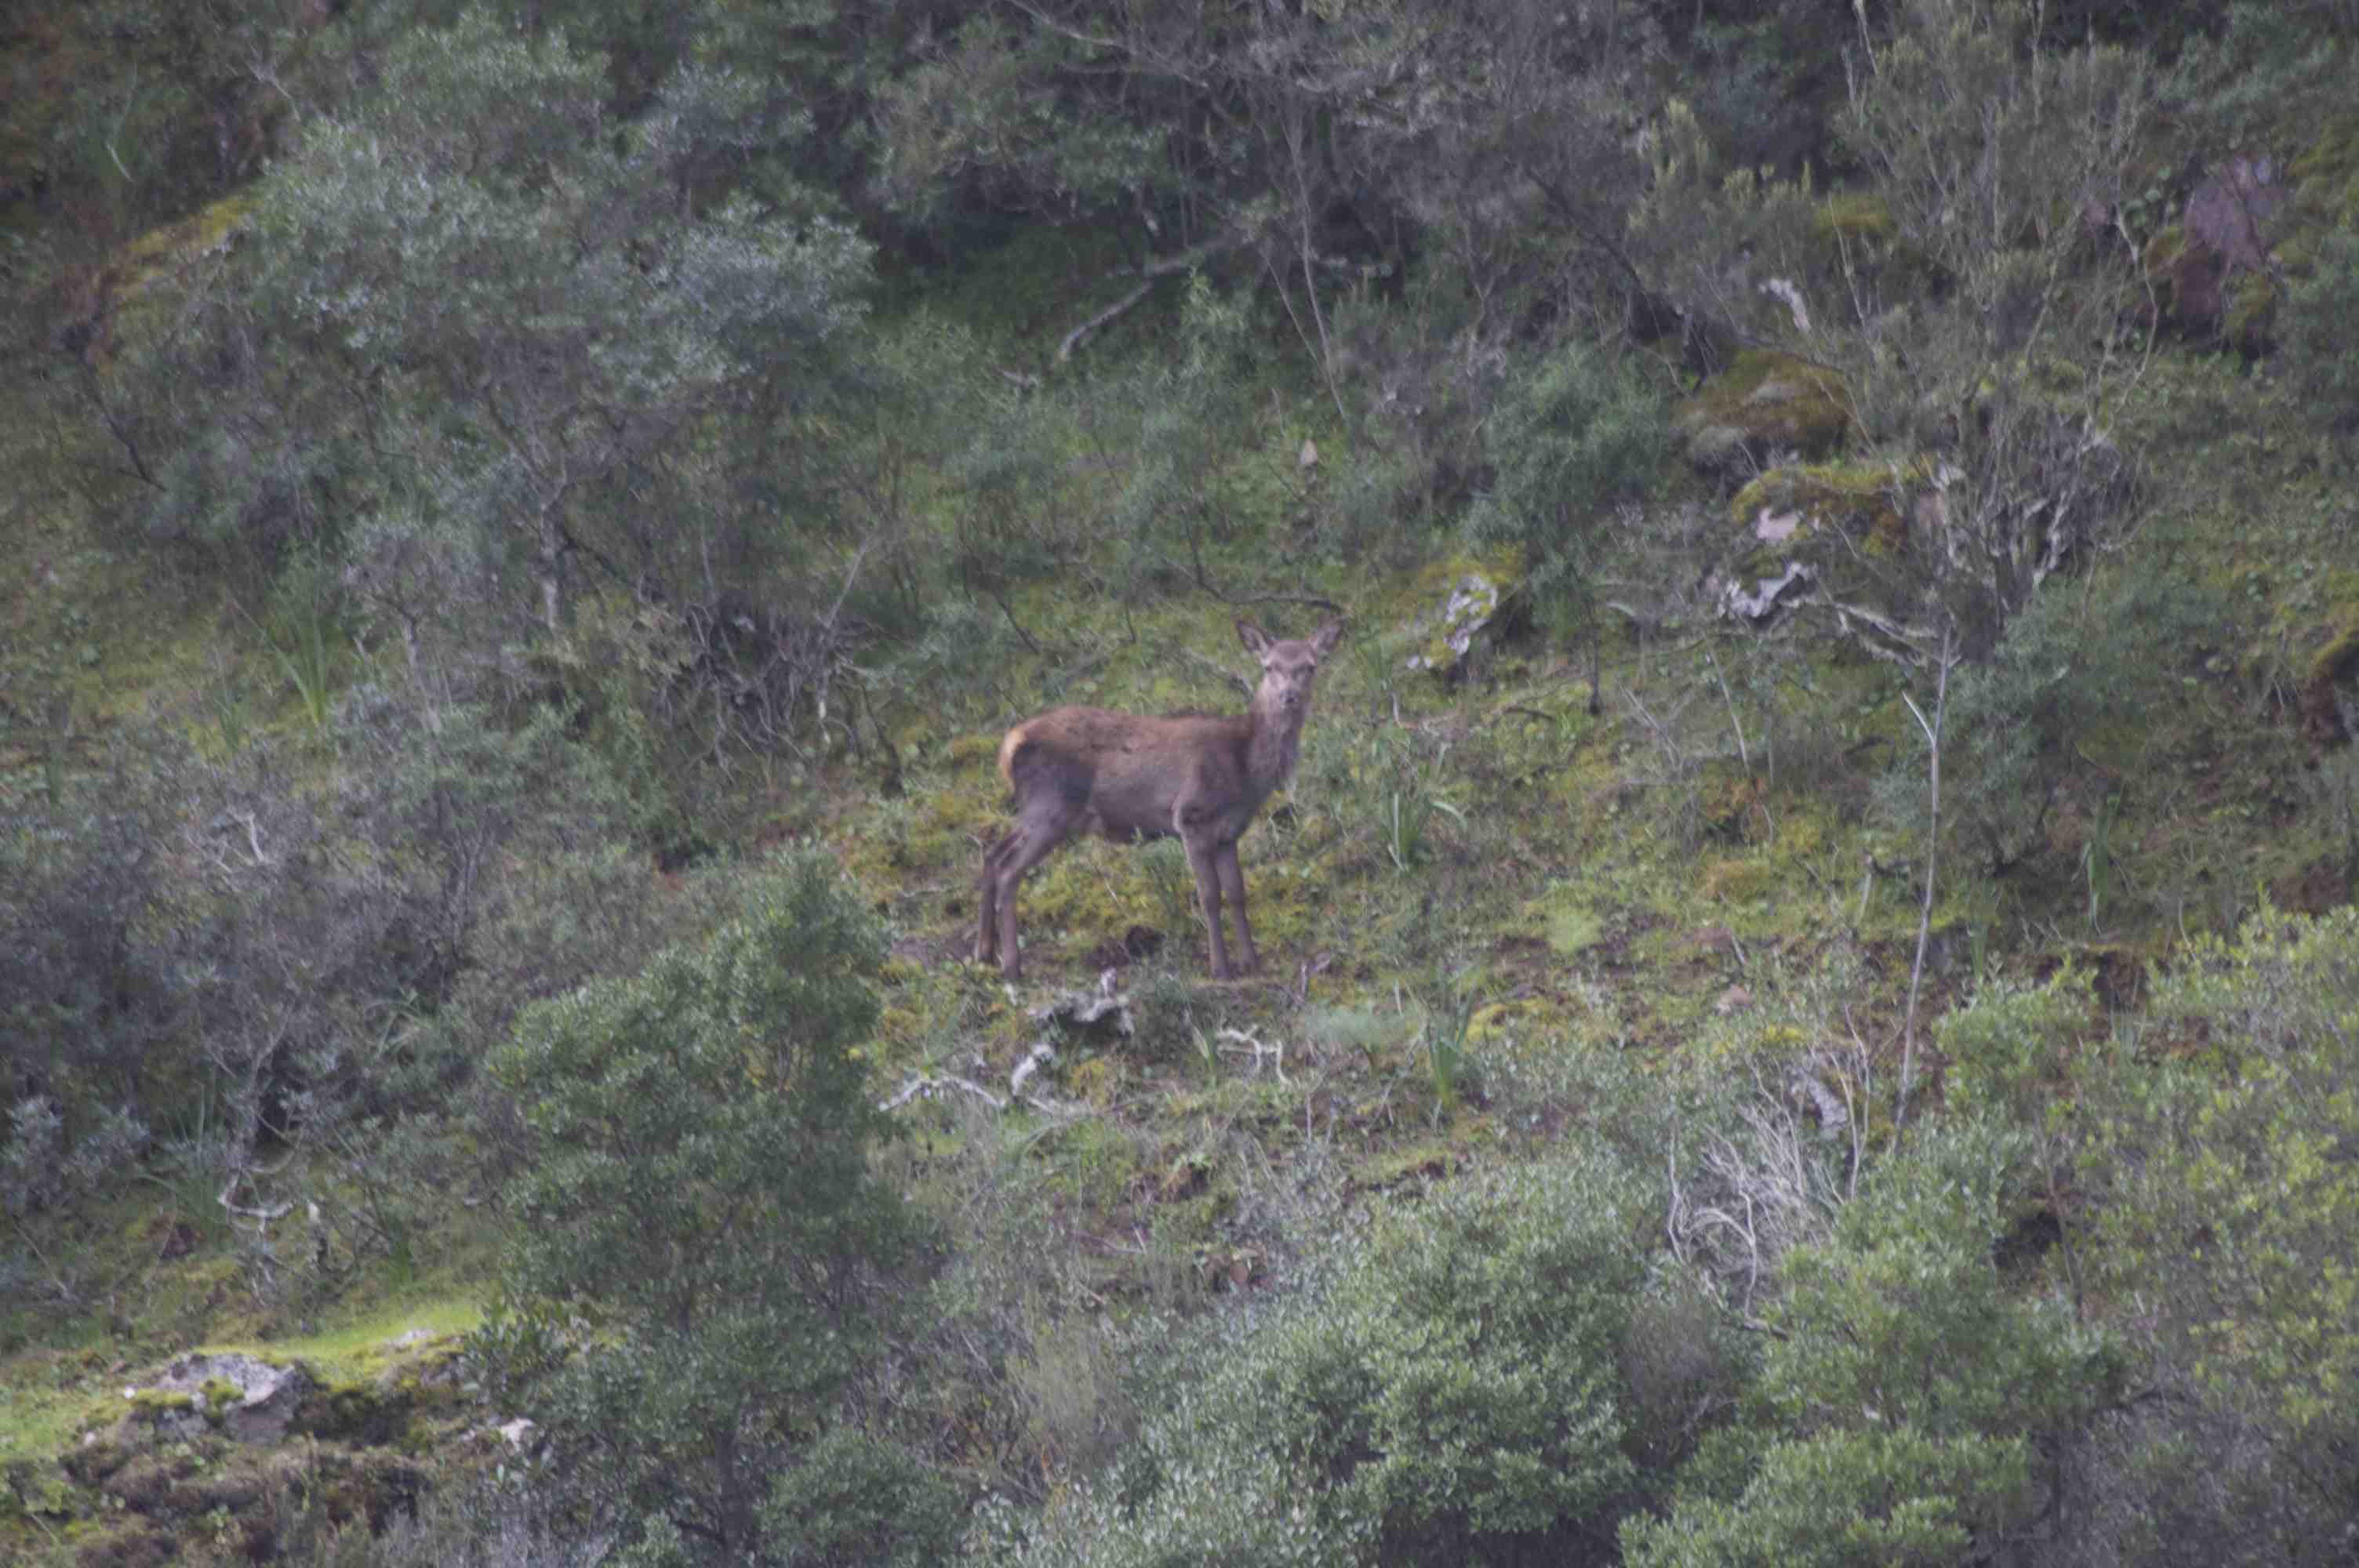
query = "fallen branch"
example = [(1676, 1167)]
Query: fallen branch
[(265, 1214), (1073, 338), (1186, 261), (923, 1085), (1245, 1041)]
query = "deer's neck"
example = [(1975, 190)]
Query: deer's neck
[(1276, 744)]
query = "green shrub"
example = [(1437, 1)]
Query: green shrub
[(700, 1198), (1447, 1388), (2011, 1051), (472, 323), (2269, 70), (91, 987), (1912, 1405), (2318, 329), (338, 945), (2018, 723), (1570, 438), (2223, 1155)]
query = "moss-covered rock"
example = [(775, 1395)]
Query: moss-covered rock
[(2329, 687), (130, 304), (1862, 238), (1764, 404), (2198, 266), (1870, 502), (1838, 525), (249, 1399), (161, 1415), (1473, 600), (1448, 609), (370, 1413)]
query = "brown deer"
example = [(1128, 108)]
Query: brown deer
[(1197, 775)]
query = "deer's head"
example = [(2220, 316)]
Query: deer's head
[(1288, 667)]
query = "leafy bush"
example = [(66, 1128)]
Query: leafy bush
[(1446, 1388), (1761, 82), (700, 1202), (273, 953), (2319, 330), (1181, 497), (2232, 1209), (1913, 1403), (2260, 73), (482, 1523), (1997, 173), (2012, 1051), (470, 335), (2018, 723), (91, 997), (1570, 437)]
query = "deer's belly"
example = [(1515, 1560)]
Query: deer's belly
[(1122, 832)]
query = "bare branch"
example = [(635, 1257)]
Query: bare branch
[(1072, 339)]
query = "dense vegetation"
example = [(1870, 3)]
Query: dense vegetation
[(1813, 1007)]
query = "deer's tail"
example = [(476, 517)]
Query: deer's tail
[(1009, 748)]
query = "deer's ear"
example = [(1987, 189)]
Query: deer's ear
[(1323, 641), (1255, 640)]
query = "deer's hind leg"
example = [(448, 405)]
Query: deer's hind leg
[(1043, 822), (986, 933)]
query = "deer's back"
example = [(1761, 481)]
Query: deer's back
[(1130, 767)]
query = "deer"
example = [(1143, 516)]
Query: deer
[(1199, 777)]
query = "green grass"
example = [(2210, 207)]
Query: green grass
[(50, 1397)]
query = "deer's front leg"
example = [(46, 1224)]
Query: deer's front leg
[(1232, 889), (1202, 859)]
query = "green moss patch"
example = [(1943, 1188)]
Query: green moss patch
[(1851, 216), (1763, 402), (1790, 510), (2333, 665)]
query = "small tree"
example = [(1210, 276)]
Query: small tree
[(701, 1208), (1914, 1403), (1571, 437), (2224, 1154), (2005, 176), (479, 332), (1568, 439)]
